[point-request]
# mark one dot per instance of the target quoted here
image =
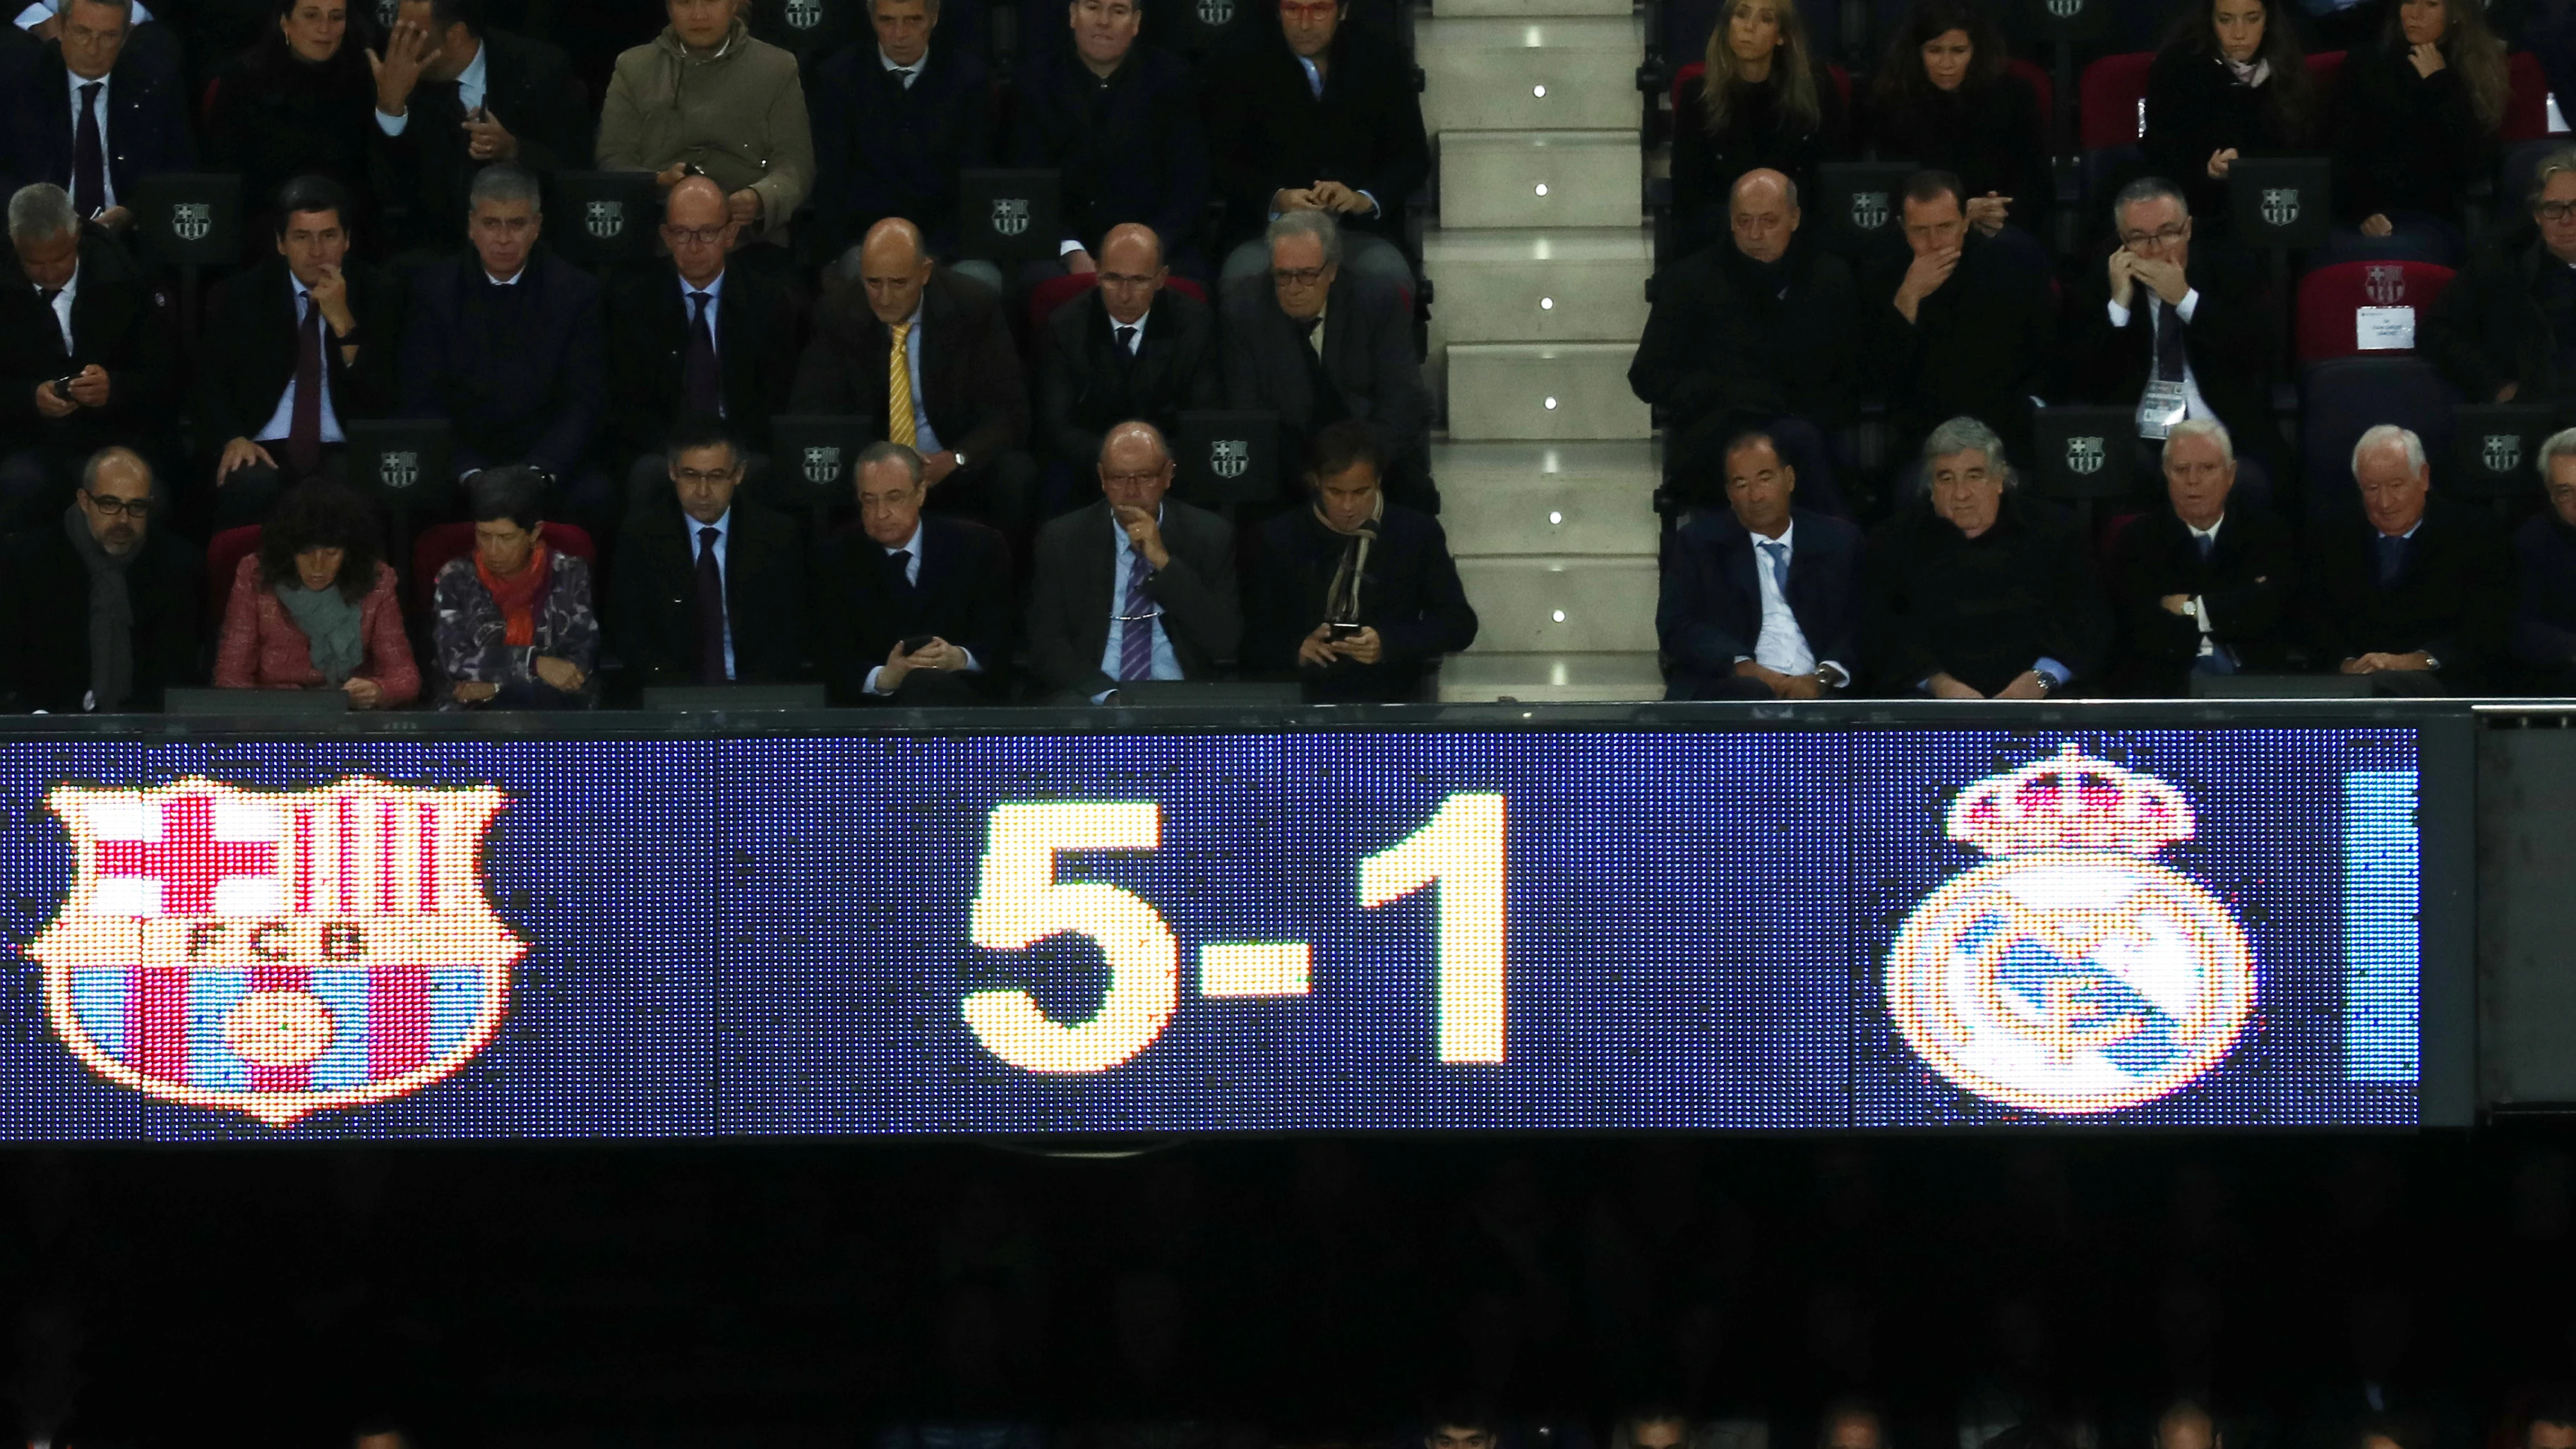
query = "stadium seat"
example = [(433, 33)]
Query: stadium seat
[(2348, 396), (441, 542), (2332, 301), (2526, 107), (224, 553), (2044, 86), (2110, 117), (2325, 68)]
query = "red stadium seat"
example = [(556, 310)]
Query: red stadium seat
[(2331, 300), (224, 553), (2526, 107), (2040, 84), (2110, 101), (436, 545), (2325, 68)]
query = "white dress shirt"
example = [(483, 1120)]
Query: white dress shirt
[(469, 93), (1137, 346), (715, 307), (910, 73), (2199, 605), (2194, 405), (912, 576), (282, 422), (63, 307), (1167, 665), (106, 145), (1781, 646)]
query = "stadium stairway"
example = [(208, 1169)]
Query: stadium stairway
[(1540, 258)]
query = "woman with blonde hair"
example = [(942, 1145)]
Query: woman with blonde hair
[(1764, 102)]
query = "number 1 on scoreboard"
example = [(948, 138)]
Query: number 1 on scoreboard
[(1460, 849)]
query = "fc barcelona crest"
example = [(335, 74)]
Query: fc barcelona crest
[(1010, 215), (2385, 285), (192, 220), (1216, 14), (822, 465), (2280, 205), (605, 219), (1869, 210), (2502, 452), (276, 953), (1230, 457), (804, 14), (2086, 455)]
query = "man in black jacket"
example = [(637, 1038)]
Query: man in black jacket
[(1961, 325), (95, 115), (2505, 329), (895, 118), (1761, 601), (698, 337), (1755, 334), (964, 405), (1136, 587), (504, 343), (2177, 329), (710, 587), (295, 349), (2544, 552), (84, 354), (1315, 345), (1120, 124), (2417, 593), (910, 610), (454, 95), (1136, 349), (1321, 116), (2204, 584), (1356, 597), (1976, 592), (98, 610)]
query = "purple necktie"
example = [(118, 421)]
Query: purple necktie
[(699, 385), (711, 612), (304, 423), (1136, 645), (89, 158)]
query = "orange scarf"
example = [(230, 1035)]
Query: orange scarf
[(518, 594)]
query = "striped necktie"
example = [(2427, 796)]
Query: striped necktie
[(899, 423), (1136, 644)]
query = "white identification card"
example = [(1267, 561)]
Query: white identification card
[(2161, 408), (2384, 329)]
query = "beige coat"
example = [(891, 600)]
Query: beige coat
[(738, 114)]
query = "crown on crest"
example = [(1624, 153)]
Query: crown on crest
[(2070, 801)]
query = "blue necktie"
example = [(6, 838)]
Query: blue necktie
[(2207, 544), (1136, 645), (2392, 560), (1779, 553)]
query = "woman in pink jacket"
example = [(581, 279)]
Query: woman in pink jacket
[(316, 609)]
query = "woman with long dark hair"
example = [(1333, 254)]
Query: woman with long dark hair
[(1943, 100), (315, 608), (2230, 83), (1764, 102), (301, 103), (2416, 118)]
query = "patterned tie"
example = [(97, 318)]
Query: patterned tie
[(89, 158), (304, 423), (711, 612), (1136, 644), (699, 386), (1779, 553), (899, 422)]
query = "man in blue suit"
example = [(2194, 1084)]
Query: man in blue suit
[(895, 118), (95, 114), (1760, 602)]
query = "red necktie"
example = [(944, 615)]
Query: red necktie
[(304, 425)]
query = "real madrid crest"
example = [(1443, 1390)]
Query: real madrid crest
[(2070, 974)]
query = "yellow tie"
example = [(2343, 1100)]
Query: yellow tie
[(899, 426)]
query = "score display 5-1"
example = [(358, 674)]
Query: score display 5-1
[(1019, 903)]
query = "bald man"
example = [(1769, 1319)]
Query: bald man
[(1133, 349), (98, 608), (697, 337), (925, 357), (1752, 336), (1136, 587)]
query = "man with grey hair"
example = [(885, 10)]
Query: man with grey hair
[(911, 608), (505, 343), (2544, 552), (2177, 330), (96, 114), (2417, 590), (98, 611), (1316, 344), (84, 354), (1973, 592), (2505, 329), (2204, 585)]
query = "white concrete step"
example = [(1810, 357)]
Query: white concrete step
[(1541, 179), (1542, 390), (1550, 678), (1556, 74), (1547, 498), (1567, 605), (1585, 285)]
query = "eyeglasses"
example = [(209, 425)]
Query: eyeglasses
[(2554, 210), (2163, 238), (702, 236), (1302, 276), (118, 507), (1133, 479), (695, 475)]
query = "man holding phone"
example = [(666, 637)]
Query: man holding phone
[(84, 354), (915, 611)]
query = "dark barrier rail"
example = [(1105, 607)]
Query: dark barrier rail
[(1885, 917)]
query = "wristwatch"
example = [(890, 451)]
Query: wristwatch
[(2047, 686), (960, 455)]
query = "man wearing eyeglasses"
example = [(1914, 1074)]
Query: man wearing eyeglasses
[(1136, 587), (100, 609), (701, 337), (1135, 349), (2505, 329), (2178, 332)]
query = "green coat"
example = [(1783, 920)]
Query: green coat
[(738, 114)]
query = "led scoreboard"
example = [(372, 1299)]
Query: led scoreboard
[(1815, 928)]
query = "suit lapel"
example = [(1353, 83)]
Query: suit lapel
[(1738, 565)]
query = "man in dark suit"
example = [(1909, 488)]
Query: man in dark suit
[(454, 95), (1761, 601), (98, 609), (1961, 324), (1316, 345), (295, 349), (961, 401), (2544, 553), (910, 610), (504, 343), (1119, 124), (2178, 329), (1136, 349), (1975, 592), (700, 337), (1752, 335), (1321, 116), (710, 587), (1137, 586), (2504, 330), (95, 115), (1356, 598), (84, 354), (2417, 593), (895, 119), (2204, 585)]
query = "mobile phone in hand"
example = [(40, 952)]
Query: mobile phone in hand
[(1339, 632), (919, 642)]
